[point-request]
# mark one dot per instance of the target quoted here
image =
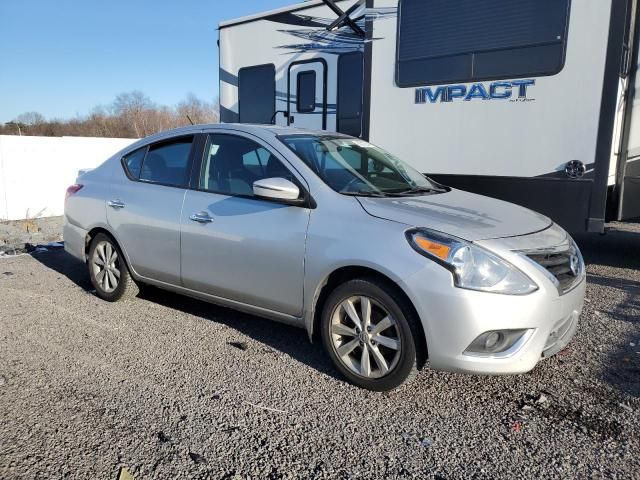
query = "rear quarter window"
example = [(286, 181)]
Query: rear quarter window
[(132, 163)]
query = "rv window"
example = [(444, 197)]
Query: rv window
[(350, 79), (257, 94), (458, 41), (306, 91)]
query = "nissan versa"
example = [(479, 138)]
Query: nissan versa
[(334, 235)]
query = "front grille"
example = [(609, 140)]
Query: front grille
[(559, 265)]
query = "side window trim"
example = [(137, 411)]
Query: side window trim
[(197, 155), (201, 159)]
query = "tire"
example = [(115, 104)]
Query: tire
[(111, 289), (392, 323)]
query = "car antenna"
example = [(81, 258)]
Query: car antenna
[(189, 118)]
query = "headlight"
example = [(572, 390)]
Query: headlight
[(473, 267)]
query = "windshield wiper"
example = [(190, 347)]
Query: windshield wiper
[(415, 190), (365, 193)]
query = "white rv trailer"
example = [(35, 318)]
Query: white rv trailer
[(531, 101)]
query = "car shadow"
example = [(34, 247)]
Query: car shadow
[(622, 369), (287, 339), (618, 248), (631, 291)]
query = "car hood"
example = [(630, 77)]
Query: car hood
[(465, 215)]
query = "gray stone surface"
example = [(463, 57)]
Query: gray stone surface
[(14, 235), (156, 385)]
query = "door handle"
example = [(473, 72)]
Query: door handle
[(202, 217), (117, 204)]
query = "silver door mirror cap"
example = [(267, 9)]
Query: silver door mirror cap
[(276, 189)]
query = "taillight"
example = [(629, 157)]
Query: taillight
[(75, 188)]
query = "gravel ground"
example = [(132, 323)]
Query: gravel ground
[(18, 235), (170, 387)]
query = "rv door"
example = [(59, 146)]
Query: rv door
[(308, 94)]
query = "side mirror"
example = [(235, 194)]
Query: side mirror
[(276, 189)]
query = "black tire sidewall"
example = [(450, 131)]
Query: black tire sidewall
[(384, 295)]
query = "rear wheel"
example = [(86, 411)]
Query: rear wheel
[(108, 270), (369, 331)]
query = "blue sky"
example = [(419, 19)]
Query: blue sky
[(63, 57)]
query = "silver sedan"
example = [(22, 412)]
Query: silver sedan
[(327, 232)]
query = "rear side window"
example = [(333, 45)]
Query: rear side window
[(133, 163), (466, 40), (306, 91), (167, 163), (257, 94)]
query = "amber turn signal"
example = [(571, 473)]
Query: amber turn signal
[(437, 249)]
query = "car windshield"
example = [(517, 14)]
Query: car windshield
[(354, 167)]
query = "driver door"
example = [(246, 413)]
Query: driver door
[(235, 245)]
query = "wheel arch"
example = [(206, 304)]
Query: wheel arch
[(349, 272), (91, 234)]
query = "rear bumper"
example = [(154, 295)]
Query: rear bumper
[(74, 240)]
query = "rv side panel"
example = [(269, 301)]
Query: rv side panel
[(514, 144)]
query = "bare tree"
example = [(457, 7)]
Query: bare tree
[(30, 119), (132, 106), (196, 110), (130, 115)]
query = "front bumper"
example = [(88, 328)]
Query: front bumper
[(452, 318)]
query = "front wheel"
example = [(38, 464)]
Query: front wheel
[(370, 332), (108, 270)]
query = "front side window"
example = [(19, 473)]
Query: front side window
[(167, 163), (306, 92), (233, 163), (355, 167), (466, 40)]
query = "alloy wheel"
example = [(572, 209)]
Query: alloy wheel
[(106, 266), (365, 337)]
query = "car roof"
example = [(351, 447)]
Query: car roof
[(258, 130), (261, 128)]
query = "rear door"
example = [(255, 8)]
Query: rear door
[(145, 206), (308, 94)]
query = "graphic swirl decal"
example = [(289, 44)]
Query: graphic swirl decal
[(342, 40)]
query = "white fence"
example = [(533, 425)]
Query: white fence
[(36, 171)]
